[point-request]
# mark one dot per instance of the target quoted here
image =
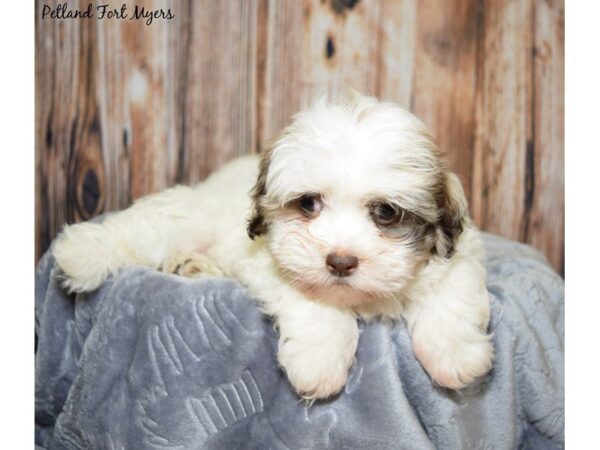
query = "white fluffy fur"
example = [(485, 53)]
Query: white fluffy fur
[(348, 152)]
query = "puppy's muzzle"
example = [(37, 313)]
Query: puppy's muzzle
[(341, 265)]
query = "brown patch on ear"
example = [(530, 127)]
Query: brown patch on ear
[(453, 205), (257, 223)]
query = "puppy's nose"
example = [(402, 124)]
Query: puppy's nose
[(341, 265)]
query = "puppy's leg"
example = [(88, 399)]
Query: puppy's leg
[(448, 321), (317, 346), (148, 233), (317, 342)]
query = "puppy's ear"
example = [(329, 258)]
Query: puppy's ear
[(453, 205), (257, 223)]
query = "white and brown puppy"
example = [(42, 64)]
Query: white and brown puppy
[(353, 215)]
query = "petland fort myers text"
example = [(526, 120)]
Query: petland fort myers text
[(62, 11)]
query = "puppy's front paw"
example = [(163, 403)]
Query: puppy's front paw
[(191, 265), (315, 373), (455, 361), (84, 256)]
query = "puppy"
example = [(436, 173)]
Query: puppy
[(349, 213)]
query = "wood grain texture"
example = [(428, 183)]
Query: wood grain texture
[(70, 180), (504, 112), (443, 84), (220, 85), (340, 47), (518, 183), (124, 109), (280, 69), (396, 52), (546, 221)]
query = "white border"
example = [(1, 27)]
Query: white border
[(582, 213), (17, 219), (582, 149)]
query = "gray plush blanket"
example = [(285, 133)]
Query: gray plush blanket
[(155, 361)]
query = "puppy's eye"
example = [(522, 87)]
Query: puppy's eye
[(310, 204), (385, 214)]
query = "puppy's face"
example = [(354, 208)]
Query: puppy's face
[(353, 200)]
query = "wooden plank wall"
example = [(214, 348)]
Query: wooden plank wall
[(124, 109)]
